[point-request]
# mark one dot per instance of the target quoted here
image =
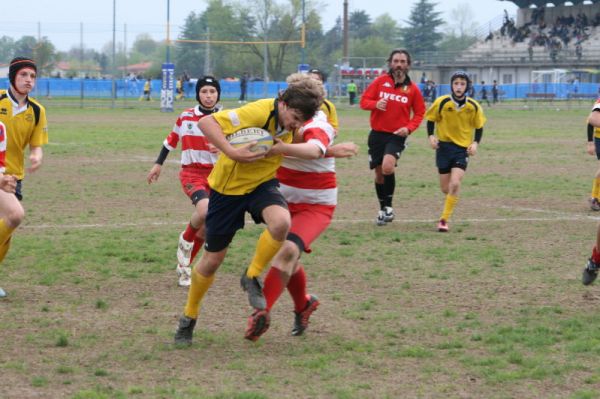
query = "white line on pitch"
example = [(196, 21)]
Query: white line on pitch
[(335, 221)]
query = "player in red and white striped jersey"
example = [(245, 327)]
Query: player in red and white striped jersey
[(309, 186), (197, 159)]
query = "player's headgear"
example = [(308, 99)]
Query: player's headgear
[(17, 64), (208, 81), (462, 75), (317, 71)]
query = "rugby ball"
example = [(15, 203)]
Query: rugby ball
[(263, 139)]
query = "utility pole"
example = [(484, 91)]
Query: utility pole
[(345, 50)]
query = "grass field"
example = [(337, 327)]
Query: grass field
[(494, 309)]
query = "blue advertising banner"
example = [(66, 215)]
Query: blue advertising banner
[(168, 87)]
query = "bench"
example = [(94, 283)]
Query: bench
[(540, 96), (582, 96), (543, 96)]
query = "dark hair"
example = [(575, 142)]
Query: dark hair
[(399, 51), (305, 100), (318, 72)]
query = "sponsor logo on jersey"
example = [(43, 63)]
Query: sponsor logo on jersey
[(393, 97), (234, 118)]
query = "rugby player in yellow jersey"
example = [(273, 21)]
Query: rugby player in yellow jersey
[(244, 181), (456, 116), (328, 108), (590, 272), (593, 148), (26, 125)]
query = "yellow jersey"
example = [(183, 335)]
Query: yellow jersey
[(331, 113), (28, 127), (454, 124), (230, 177)]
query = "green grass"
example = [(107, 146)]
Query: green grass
[(493, 309)]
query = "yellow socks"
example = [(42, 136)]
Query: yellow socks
[(266, 248), (200, 285), (4, 249), (5, 234), (449, 205), (5, 231), (596, 188)]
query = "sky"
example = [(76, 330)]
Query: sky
[(60, 20)]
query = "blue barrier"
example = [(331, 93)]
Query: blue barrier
[(520, 91), (102, 88), (125, 88)]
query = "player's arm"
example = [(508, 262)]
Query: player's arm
[(35, 158), (591, 148), (342, 150), (214, 133), (156, 168), (594, 118), (298, 150), (368, 101), (472, 149), (418, 108), (433, 140)]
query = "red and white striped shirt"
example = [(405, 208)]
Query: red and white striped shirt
[(313, 181), (2, 147), (194, 145)]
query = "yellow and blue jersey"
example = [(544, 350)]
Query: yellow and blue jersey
[(456, 124), (234, 178), (27, 127)]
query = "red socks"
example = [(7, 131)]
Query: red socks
[(198, 243), (596, 256), (275, 282), (189, 233), (297, 288)]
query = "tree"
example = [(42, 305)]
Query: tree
[(44, 55), (7, 49), (423, 23), (461, 31), (462, 22), (387, 28), (144, 44), (24, 47), (359, 24), (222, 22)]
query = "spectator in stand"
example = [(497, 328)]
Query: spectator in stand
[(578, 51)]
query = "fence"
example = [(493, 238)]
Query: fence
[(133, 89), (90, 89)]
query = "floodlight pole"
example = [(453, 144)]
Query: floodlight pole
[(168, 31), (303, 50), (114, 54)]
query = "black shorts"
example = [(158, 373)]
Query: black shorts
[(18, 190), (449, 155), (226, 213), (381, 144), (597, 145)]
